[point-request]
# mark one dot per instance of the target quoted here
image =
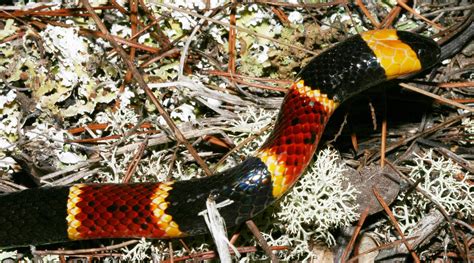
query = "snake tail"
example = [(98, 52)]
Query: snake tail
[(171, 209)]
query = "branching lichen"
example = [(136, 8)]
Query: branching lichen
[(317, 204), (446, 183)]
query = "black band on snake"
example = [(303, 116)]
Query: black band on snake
[(170, 209)]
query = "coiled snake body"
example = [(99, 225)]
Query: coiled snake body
[(170, 209)]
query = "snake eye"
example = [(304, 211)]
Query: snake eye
[(427, 50)]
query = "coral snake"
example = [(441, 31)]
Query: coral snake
[(170, 209)]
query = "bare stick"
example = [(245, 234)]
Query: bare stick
[(434, 96), (261, 241), (84, 251), (395, 224), (348, 249), (409, 9)]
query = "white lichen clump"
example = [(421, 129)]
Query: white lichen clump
[(74, 65), (9, 122), (137, 253), (317, 204), (251, 121), (468, 125), (446, 183)]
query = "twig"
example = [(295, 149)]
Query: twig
[(66, 170), (227, 74), (128, 75), (366, 12), (360, 223), (241, 144), (466, 84), (132, 167), (261, 241), (395, 224), (158, 34), (449, 9), (280, 14), (234, 237), (58, 12), (154, 58), (98, 140), (170, 247), (404, 141), (456, 158), (383, 140), (381, 247), (373, 115), (300, 5), (388, 20), (85, 251), (232, 38), (339, 132), (186, 247), (261, 86), (409, 9), (73, 177), (184, 52), (471, 100), (434, 96), (464, 224), (354, 141), (211, 254)]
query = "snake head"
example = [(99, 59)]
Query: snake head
[(426, 49), (401, 53)]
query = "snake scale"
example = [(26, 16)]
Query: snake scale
[(170, 209)]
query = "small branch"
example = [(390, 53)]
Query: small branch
[(241, 144), (388, 20), (132, 167), (208, 255), (232, 38), (339, 132), (395, 224), (467, 84), (348, 249), (366, 12), (158, 34), (404, 141), (434, 96), (170, 247), (227, 74), (84, 251), (383, 142), (409, 9), (300, 4), (381, 247), (74, 12), (261, 241)]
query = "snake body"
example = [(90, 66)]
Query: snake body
[(171, 209)]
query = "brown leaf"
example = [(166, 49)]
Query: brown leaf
[(385, 181)]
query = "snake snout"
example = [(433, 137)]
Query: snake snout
[(426, 49)]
